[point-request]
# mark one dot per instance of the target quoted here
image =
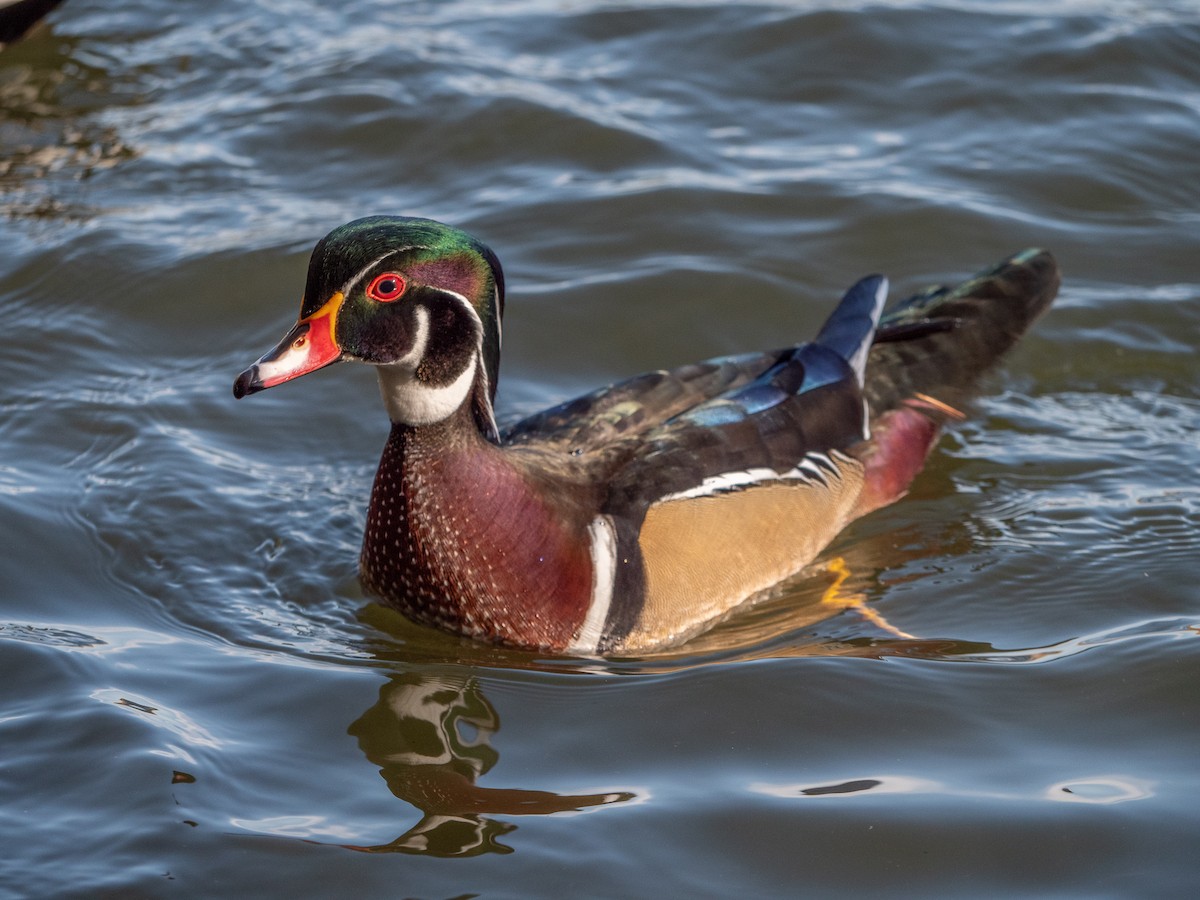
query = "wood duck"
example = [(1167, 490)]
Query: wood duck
[(633, 517)]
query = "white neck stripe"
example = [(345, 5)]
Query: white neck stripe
[(496, 310), (466, 305), (474, 314)]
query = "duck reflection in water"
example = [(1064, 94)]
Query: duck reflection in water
[(431, 738)]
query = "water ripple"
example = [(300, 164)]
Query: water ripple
[(664, 181)]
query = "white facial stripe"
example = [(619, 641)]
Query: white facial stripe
[(362, 273), (468, 308), (413, 357), (604, 574), (808, 469)]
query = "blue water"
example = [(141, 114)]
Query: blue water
[(196, 699)]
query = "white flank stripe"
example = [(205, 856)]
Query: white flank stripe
[(604, 574), (806, 470), (726, 481), (807, 465)]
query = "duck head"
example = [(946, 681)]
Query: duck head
[(417, 299)]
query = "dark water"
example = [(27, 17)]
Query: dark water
[(195, 697)]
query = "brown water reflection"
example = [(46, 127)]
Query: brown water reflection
[(51, 135), (431, 735), (828, 610), (431, 738)]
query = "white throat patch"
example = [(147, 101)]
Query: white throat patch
[(409, 401)]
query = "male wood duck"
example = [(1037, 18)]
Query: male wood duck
[(633, 517)]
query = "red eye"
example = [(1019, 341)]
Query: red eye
[(386, 287)]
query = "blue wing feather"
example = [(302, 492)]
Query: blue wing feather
[(838, 354), (850, 329)]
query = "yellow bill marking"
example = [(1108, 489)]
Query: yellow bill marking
[(330, 309)]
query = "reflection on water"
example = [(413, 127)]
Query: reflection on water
[(1172, 629), (800, 622), (184, 645), (1103, 790), (51, 128), (825, 611), (158, 715), (19, 17), (431, 736)]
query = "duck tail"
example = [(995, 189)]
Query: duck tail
[(939, 342), (928, 355)]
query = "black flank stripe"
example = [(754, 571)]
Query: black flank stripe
[(629, 586), (825, 463)]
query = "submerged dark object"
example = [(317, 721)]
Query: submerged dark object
[(17, 17)]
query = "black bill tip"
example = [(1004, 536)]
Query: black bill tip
[(247, 383)]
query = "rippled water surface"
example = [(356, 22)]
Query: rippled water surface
[(196, 699)]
